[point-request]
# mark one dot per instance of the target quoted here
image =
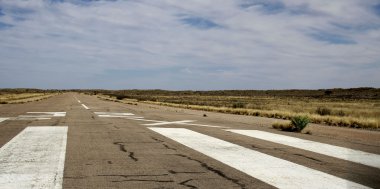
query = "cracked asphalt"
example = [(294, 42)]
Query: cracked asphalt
[(122, 153)]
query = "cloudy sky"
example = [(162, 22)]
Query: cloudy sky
[(199, 44)]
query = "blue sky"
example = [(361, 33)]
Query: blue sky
[(197, 45)]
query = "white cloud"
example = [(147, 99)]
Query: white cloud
[(76, 45)]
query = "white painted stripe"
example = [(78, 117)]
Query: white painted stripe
[(3, 119), (169, 122), (274, 171), (119, 116), (202, 125), (114, 113), (85, 107), (55, 114), (356, 156), (31, 118), (34, 158)]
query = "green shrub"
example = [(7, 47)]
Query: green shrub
[(323, 111), (300, 122)]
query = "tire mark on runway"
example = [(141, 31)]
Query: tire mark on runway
[(216, 171)]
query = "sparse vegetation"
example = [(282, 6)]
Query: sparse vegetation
[(323, 111), (296, 124), (284, 126), (299, 122), (357, 108), (20, 97)]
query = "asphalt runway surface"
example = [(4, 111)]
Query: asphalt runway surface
[(74, 140)]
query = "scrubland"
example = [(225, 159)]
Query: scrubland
[(357, 108), (17, 96)]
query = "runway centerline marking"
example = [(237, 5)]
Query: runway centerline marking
[(274, 171), (356, 156), (34, 158), (85, 107)]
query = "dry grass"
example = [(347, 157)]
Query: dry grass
[(346, 113), (13, 98), (357, 108)]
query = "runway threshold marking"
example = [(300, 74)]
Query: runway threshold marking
[(34, 158), (356, 156), (85, 107), (274, 171)]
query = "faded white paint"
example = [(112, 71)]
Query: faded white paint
[(356, 156), (169, 122), (31, 118), (79, 101), (85, 107), (3, 119), (274, 171), (54, 114), (34, 158), (114, 113)]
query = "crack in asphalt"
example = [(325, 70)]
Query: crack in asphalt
[(168, 147), (143, 180), (165, 145), (156, 139), (308, 157), (216, 171), (184, 183), (123, 149), (184, 172), (127, 178)]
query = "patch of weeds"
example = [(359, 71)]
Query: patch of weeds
[(3, 102), (284, 126)]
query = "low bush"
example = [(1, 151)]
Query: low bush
[(299, 122), (120, 97)]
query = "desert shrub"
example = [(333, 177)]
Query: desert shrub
[(3, 102), (323, 111), (300, 122), (120, 97), (238, 105), (340, 113)]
